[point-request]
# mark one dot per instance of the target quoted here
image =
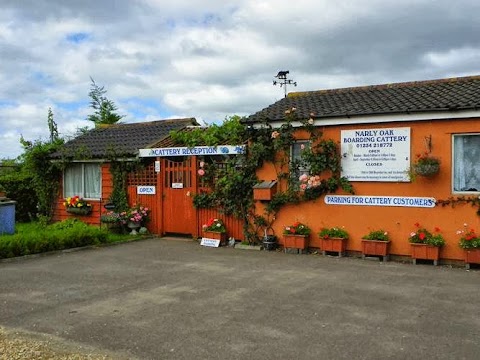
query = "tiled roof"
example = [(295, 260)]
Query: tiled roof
[(123, 140), (420, 96)]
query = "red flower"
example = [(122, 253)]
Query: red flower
[(437, 229), (417, 224), (325, 236), (421, 236)]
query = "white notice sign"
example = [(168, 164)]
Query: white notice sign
[(376, 154), (210, 242)]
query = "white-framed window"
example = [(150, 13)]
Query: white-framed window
[(296, 161), (83, 179), (466, 163)]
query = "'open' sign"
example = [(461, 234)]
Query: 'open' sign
[(146, 190)]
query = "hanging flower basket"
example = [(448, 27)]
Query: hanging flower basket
[(426, 169), (426, 165)]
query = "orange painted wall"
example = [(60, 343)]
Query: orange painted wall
[(398, 221)]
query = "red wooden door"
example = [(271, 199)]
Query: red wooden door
[(178, 189)]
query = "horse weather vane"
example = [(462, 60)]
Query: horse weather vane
[(283, 81)]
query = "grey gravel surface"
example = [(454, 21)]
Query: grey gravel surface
[(16, 345), (167, 299)]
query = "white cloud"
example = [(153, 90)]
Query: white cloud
[(160, 59)]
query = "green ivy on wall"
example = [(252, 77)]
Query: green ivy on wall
[(230, 187)]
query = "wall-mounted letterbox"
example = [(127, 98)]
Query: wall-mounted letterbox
[(265, 190)]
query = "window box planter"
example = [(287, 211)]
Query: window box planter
[(216, 235), (338, 245), (291, 241), (80, 211), (375, 248), (472, 256), (425, 252)]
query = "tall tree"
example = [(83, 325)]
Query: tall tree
[(52, 126), (104, 109)]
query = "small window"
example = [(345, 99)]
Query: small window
[(466, 163), (297, 164), (83, 180)]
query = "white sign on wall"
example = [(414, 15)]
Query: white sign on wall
[(376, 154), (377, 200), (146, 190), (196, 150)]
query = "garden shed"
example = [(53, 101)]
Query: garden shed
[(383, 134)]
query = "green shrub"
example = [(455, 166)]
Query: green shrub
[(34, 238), (18, 186)]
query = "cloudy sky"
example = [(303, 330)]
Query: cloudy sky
[(210, 59)]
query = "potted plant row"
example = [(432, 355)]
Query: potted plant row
[(296, 236), (215, 229), (333, 240), (376, 243), (470, 243), (426, 245)]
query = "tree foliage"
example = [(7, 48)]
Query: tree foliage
[(104, 109)]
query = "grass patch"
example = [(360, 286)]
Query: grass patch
[(34, 238)]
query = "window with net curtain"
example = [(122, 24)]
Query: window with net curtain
[(466, 163), (296, 157), (82, 179)]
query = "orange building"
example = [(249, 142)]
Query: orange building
[(381, 131)]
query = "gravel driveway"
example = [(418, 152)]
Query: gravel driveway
[(167, 299)]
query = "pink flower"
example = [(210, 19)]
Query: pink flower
[(302, 147), (303, 186), (202, 164), (201, 172), (275, 134), (303, 177)]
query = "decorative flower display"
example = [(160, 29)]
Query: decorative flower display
[(470, 239), (334, 232), (426, 165), (76, 202), (137, 214), (111, 217), (423, 236), (214, 224), (379, 235), (307, 182), (275, 134), (296, 229)]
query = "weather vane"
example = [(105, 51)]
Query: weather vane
[(283, 81)]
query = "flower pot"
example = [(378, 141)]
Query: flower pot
[(79, 211), (425, 252), (216, 236), (375, 248), (269, 242), (426, 169), (338, 245), (133, 226), (472, 256), (291, 241)]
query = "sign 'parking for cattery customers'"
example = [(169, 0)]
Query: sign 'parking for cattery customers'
[(376, 154)]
